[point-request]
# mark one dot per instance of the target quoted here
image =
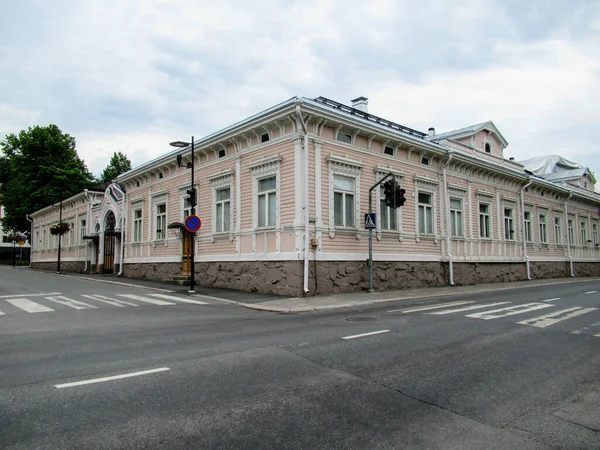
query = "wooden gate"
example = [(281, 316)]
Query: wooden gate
[(109, 254), (186, 254)]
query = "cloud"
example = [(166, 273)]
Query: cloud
[(132, 76)]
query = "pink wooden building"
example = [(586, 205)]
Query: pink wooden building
[(282, 196)]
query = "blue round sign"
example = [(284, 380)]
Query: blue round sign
[(192, 223)]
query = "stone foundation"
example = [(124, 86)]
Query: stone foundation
[(478, 273), (65, 266)]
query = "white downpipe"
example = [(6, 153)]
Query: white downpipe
[(568, 235), (523, 225), (30, 239), (123, 227), (88, 218), (448, 227), (306, 193)]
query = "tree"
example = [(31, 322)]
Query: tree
[(119, 163), (38, 167)]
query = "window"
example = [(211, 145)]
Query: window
[(137, 225), (223, 153), (485, 227), (542, 224), (187, 208), (388, 216), (160, 176), (595, 234), (344, 137), (583, 229), (4, 239), (82, 229), (267, 202), (161, 221), (425, 161), (388, 150), (71, 234), (264, 137), (344, 191), (223, 210), (488, 147), (456, 217), (571, 232), (509, 224), (557, 231), (528, 229), (425, 208), (43, 239)]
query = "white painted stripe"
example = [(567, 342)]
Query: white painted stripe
[(145, 299), (427, 308), (28, 305), (552, 299), (466, 308), (503, 312), (584, 329), (29, 295), (178, 299), (114, 377), (591, 292), (2, 314), (597, 335), (71, 303), (555, 317), (366, 334), (110, 301)]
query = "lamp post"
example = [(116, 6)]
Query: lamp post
[(193, 197)]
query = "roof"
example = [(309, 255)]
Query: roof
[(469, 131), (556, 168)]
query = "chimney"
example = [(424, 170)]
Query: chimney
[(360, 103), (511, 159), (431, 131)]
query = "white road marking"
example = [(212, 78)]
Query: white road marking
[(71, 303), (29, 295), (552, 299), (503, 312), (28, 305), (114, 377), (555, 317), (145, 299), (110, 301), (466, 308), (1, 313), (590, 292), (178, 299), (597, 335), (366, 334), (427, 308), (581, 330)]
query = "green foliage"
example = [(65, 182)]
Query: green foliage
[(38, 167), (119, 163)]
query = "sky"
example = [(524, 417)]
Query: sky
[(132, 76)]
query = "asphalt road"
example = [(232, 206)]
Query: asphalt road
[(462, 374)]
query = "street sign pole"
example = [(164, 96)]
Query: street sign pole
[(371, 230)]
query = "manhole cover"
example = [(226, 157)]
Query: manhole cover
[(361, 319)]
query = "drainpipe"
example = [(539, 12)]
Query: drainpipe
[(568, 235), (123, 227), (87, 221), (448, 227), (306, 193), (30, 238), (523, 224)]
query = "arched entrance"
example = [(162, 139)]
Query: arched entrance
[(109, 242)]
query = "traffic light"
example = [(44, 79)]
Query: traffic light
[(388, 192), (400, 197), (192, 193)]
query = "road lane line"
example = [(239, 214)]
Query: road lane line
[(178, 299), (466, 308), (28, 305), (29, 295), (555, 317), (114, 377), (2, 314), (427, 308), (110, 301), (365, 334), (71, 303), (145, 299), (504, 312), (584, 329), (552, 299), (590, 292)]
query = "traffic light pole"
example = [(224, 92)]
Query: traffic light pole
[(193, 210), (370, 261)]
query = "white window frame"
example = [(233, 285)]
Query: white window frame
[(389, 211), (595, 240), (485, 232), (427, 230), (223, 180), (583, 232), (509, 224), (527, 224), (265, 169), (543, 228), (82, 229), (558, 230), (346, 167), (138, 225), (454, 220), (570, 231)]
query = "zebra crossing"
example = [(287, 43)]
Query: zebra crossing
[(51, 302), (552, 313)]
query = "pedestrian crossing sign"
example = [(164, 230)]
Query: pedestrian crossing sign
[(370, 221)]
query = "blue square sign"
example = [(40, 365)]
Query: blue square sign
[(370, 221)]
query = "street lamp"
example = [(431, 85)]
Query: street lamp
[(193, 197)]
